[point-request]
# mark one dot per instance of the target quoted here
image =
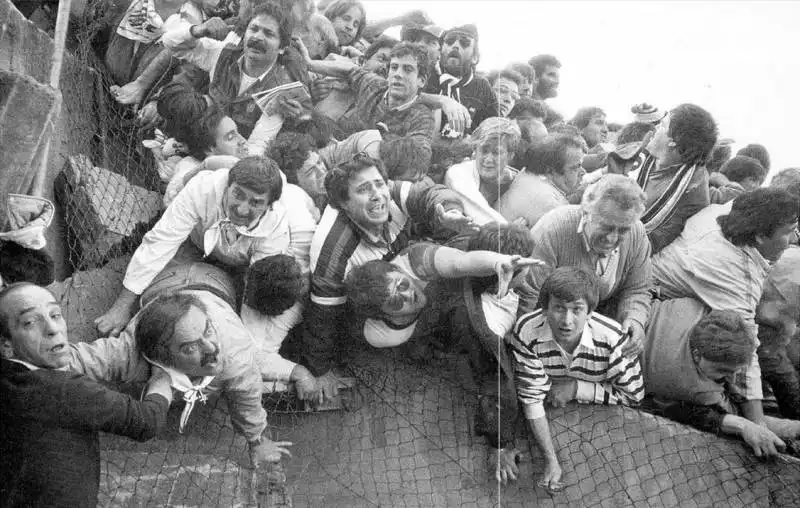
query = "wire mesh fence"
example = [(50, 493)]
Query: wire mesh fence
[(405, 435)]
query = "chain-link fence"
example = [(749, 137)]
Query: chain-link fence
[(405, 435)]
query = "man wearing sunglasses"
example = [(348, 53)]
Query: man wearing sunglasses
[(458, 81)]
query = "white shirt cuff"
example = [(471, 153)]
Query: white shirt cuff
[(533, 411)]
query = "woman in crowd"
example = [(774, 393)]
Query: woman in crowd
[(482, 180)]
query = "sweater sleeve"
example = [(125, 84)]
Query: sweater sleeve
[(624, 383), (407, 155), (419, 199), (71, 400), (243, 395), (634, 291)]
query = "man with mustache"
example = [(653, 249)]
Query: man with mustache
[(197, 338), (458, 80), (239, 71), (545, 86), (230, 217)]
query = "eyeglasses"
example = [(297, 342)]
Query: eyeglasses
[(463, 40)]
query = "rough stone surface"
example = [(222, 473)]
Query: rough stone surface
[(102, 209)]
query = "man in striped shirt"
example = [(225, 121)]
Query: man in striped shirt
[(367, 218), (565, 352)]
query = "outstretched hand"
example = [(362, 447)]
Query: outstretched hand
[(506, 271), (269, 451), (504, 464), (455, 220)]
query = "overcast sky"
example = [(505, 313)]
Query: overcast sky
[(739, 60)]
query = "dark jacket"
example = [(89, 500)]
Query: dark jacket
[(49, 423)]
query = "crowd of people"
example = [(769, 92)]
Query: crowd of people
[(329, 189)]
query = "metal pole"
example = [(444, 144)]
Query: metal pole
[(59, 45)]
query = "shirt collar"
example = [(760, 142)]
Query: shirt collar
[(757, 257), (587, 338), (240, 63), (369, 237), (401, 107), (31, 366)]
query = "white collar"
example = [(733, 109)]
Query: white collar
[(191, 392), (31, 366)]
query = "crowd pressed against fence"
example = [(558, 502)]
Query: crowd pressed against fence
[(344, 217)]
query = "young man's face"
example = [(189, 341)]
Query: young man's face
[(566, 319), (404, 78), (262, 40), (38, 332), (367, 199), (507, 93), (406, 296), (378, 62), (228, 141), (245, 206), (573, 172), (458, 54), (194, 348), (430, 42), (347, 25), (547, 86), (659, 143), (596, 131), (772, 247), (607, 226)]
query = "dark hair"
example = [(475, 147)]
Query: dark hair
[(570, 283), (446, 152), (584, 116), (418, 51), (614, 127), (338, 179), (340, 8), (367, 287), (6, 292), (18, 264), (280, 11), (788, 179), (719, 156), (527, 72), (274, 284), (634, 131), (742, 167), (528, 105), (507, 73), (509, 239), (758, 152), (694, 132), (322, 129), (758, 213), (181, 107), (384, 41), (290, 151), (156, 326), (550, 154), (258, 174), (722, 337), (540, 63)]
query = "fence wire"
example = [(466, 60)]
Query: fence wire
[(404, 437)]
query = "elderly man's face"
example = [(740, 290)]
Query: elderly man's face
[(38, 332), (194, 348), (607, 225), (507, 93)]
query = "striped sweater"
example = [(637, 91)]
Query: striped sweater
[(604, 374)]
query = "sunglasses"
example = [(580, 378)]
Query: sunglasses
[(462, 40)]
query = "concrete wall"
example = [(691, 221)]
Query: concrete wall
[(25, 49)]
